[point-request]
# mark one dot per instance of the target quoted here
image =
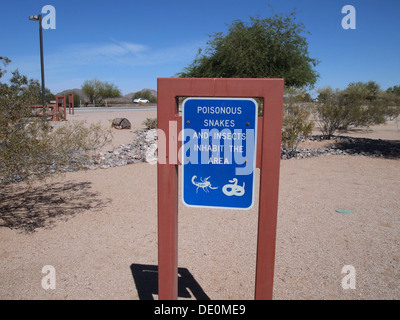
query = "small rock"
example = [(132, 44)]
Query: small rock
[(121, 123)]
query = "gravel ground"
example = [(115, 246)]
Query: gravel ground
[(98, 229)]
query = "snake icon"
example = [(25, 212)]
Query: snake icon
[(233, 189)]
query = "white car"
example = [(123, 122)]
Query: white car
[(141, 100)]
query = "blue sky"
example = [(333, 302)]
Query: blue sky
[(132, 43)]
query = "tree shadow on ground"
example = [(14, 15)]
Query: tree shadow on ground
[(146, 281), (30, 208), (389, 149)]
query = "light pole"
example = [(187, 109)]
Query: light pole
[(39, 19)]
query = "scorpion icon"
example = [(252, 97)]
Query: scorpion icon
[(204, 184)]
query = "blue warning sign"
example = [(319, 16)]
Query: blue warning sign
[(219, 140)]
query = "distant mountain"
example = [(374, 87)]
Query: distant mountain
[(77, 91), (153, 92), (130, 95)]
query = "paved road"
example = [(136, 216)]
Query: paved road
[(112, 109)]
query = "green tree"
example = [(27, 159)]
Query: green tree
[(145, 94), (273, 47), (5, 62), (97, 90), (29, 147), (49, 96), (77, 98), (395, 90)]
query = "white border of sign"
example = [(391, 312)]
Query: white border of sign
[(255, 151)]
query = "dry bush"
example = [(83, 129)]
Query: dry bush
[(30, 148)]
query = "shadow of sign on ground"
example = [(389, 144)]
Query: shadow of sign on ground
[(28, 209), (146, 281)]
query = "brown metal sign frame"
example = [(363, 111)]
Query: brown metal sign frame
[(268, 160)]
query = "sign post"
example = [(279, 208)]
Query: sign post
[(71, 103), (229, 184)]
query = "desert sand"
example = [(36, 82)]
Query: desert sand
[(98, 229)]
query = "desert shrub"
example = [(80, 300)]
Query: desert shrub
[(34, 151), (296, 123), (362, 105), (30, 148), (295, 126), (150, 123), (329, 112), (392, 96), (359, 105)]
